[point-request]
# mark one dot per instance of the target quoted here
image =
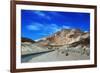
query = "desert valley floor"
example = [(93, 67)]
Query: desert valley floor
[(53, 56)]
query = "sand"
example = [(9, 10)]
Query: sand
[(55, 56)]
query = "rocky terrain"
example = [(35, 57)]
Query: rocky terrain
[(29, 46), (66, 42), (67, 36)]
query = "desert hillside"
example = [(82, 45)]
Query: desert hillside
[(73, 44), (69, 37)]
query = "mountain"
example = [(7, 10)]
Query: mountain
[(23, 39), (66, 44), (71, 37)]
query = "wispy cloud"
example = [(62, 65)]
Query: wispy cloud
[(34, 26), (66, 27), (54, 27), (39, 13), (45, 29), (42, 14)]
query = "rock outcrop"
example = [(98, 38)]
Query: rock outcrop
[(71, 37)]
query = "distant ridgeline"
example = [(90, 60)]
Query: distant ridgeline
[(24, 39)]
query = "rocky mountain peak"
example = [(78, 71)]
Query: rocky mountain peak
[(66, 36)]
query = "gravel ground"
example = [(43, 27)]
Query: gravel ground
[(57, 56)]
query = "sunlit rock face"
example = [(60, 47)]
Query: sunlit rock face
[(68, 37)]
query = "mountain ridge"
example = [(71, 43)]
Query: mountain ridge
[(67, 36)]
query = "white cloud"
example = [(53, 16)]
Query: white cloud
[(46, 29), (40, 13), (55, 27), (66, 27), (34, 26), (85, 31)]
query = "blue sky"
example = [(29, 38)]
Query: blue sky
[(39, 24)]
